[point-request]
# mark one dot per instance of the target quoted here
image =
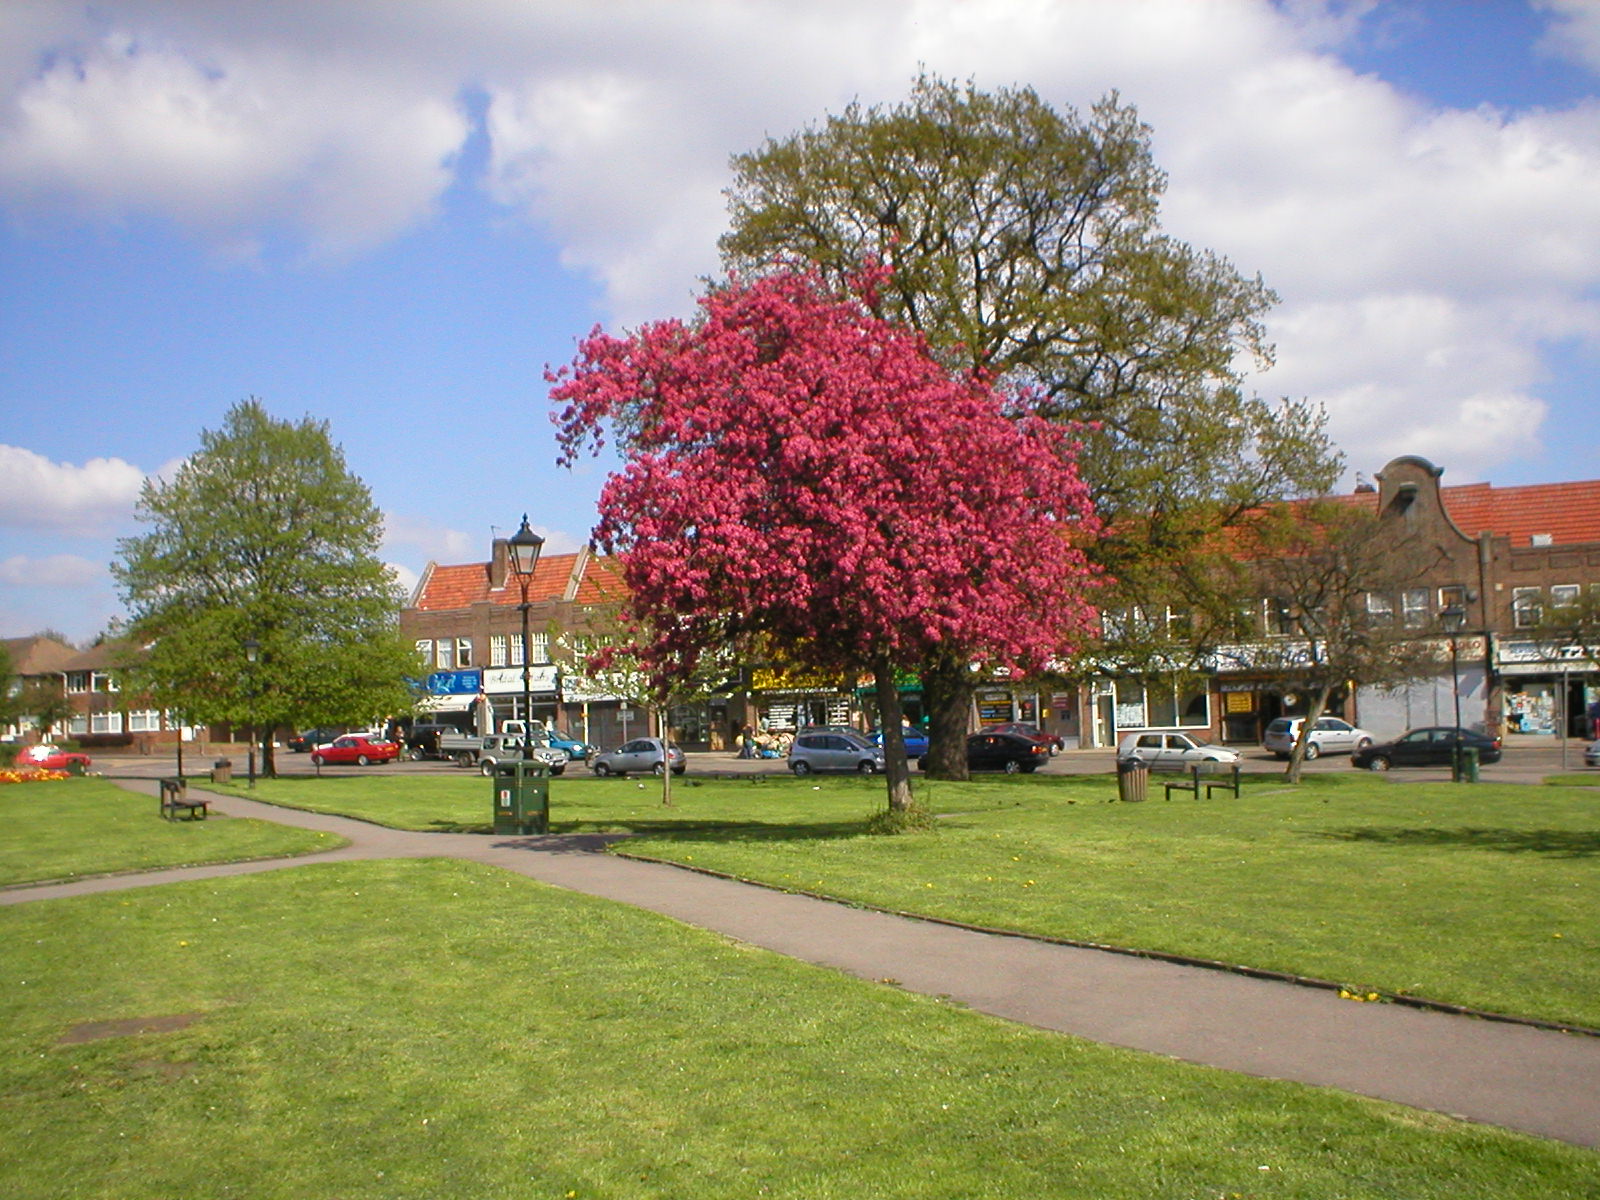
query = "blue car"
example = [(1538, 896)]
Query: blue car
[(562, 740), (916, 741)]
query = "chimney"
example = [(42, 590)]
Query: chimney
[(499, 564)]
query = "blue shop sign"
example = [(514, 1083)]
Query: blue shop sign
[(455, 683)]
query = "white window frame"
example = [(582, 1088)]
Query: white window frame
[(425, 650), (1414, 607), (106, 722), (497, 649), (444, 655), (463, 653), (541, 647), (78, 724), (516, 650), (144, 720), (1380, 608), (1565, 595), (1527, 607), (78, 681)]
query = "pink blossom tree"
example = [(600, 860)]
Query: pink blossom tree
[(801, 474)]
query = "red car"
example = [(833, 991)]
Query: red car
[(1032, 732), (355, 748), (50, 758)]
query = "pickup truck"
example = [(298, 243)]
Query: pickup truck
[(469, 749)]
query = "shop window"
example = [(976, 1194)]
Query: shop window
[(1527, 607), (1159, 704)]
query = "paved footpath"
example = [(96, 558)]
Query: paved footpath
[(1538, 1081)]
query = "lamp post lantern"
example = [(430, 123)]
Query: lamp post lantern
[(525, 546), (1452, 619), (252, 655)]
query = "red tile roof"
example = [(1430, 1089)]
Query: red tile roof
[(452, 587), (1568, 512)]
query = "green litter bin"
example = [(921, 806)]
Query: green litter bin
[(521, 797), (1466, 765)]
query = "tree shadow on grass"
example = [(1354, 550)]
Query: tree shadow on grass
[(725, 832), (1558, 843)]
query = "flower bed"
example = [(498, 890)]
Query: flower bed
[(30, 775)]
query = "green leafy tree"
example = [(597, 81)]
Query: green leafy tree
[(1316, 564), (264, 536), (10, 689), (47, 704), (1026, 244)]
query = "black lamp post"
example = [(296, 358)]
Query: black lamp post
[(525, 546), (1452, 619), (252, 655)]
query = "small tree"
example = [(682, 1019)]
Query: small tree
[(1317, 563), (261, 547), (47, 704), (803, 473)]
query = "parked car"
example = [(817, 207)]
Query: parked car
[(641, 754), (1591, 755), (575, 747), (1329, 735), (838, 751), (303, 743), (1171, 751), (1429, 747), (1028, 731), (355, 748), (45, 757), (916, 741), (427, 741), (988, 750), (499, 747)]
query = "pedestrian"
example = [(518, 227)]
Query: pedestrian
[(747, 742), (1594, 718)]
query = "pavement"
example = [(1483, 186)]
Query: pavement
[(1536, 1080)]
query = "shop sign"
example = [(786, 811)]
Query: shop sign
[(455, 683), (1529, 652), (766, 679), (508, 680)]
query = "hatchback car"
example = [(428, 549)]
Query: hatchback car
[(1008, 752), (1429, 747), (1329, 735), (45, 757), (640, 755), (562, 740), (1591, 755), (916, 741), (302, 743), (1028, 731), (1174, 751), (355, 748), (838, 751)]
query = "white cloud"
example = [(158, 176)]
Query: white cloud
[(53, 571), (89, 500), (1574, 32), (419, 540)]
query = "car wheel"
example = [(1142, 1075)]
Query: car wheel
[(601, 769), (680, 770), (415, 754), (1380, 763), (464, 759), (800, 768), (866, 767), (561, 770), (317, 760), (486, 767), (1312, 751), (660, 768), (1012, 766), (363, 761)]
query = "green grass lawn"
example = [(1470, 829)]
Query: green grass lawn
[(1480, 895), (410, 1029), (69, 828)]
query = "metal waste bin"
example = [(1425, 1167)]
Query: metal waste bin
[(222, 771), (1133, 780), (521, 797), (1466, 764)]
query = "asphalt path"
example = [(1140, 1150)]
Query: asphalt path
[(1539, 1081)]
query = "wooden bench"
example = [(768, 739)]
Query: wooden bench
[(1196, 770), (175, 801)]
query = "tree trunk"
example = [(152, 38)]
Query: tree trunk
[(947, 692), (269, 761), (1297, 756), (891, 718)]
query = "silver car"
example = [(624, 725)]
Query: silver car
[(1591, 755), (640, 755), (508, 748), (1171, 751), (834, 750), (1329, 735)]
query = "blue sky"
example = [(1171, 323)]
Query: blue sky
[(392, 217)]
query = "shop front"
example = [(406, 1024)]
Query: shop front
[(1546, 690)]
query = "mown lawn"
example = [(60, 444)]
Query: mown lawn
[(410, 1029), (65, 829), (1482, 895)]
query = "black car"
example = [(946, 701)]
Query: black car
[(300, 743), (1430, 747), (1008, 752)]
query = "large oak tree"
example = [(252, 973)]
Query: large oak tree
[(1026, 243)]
